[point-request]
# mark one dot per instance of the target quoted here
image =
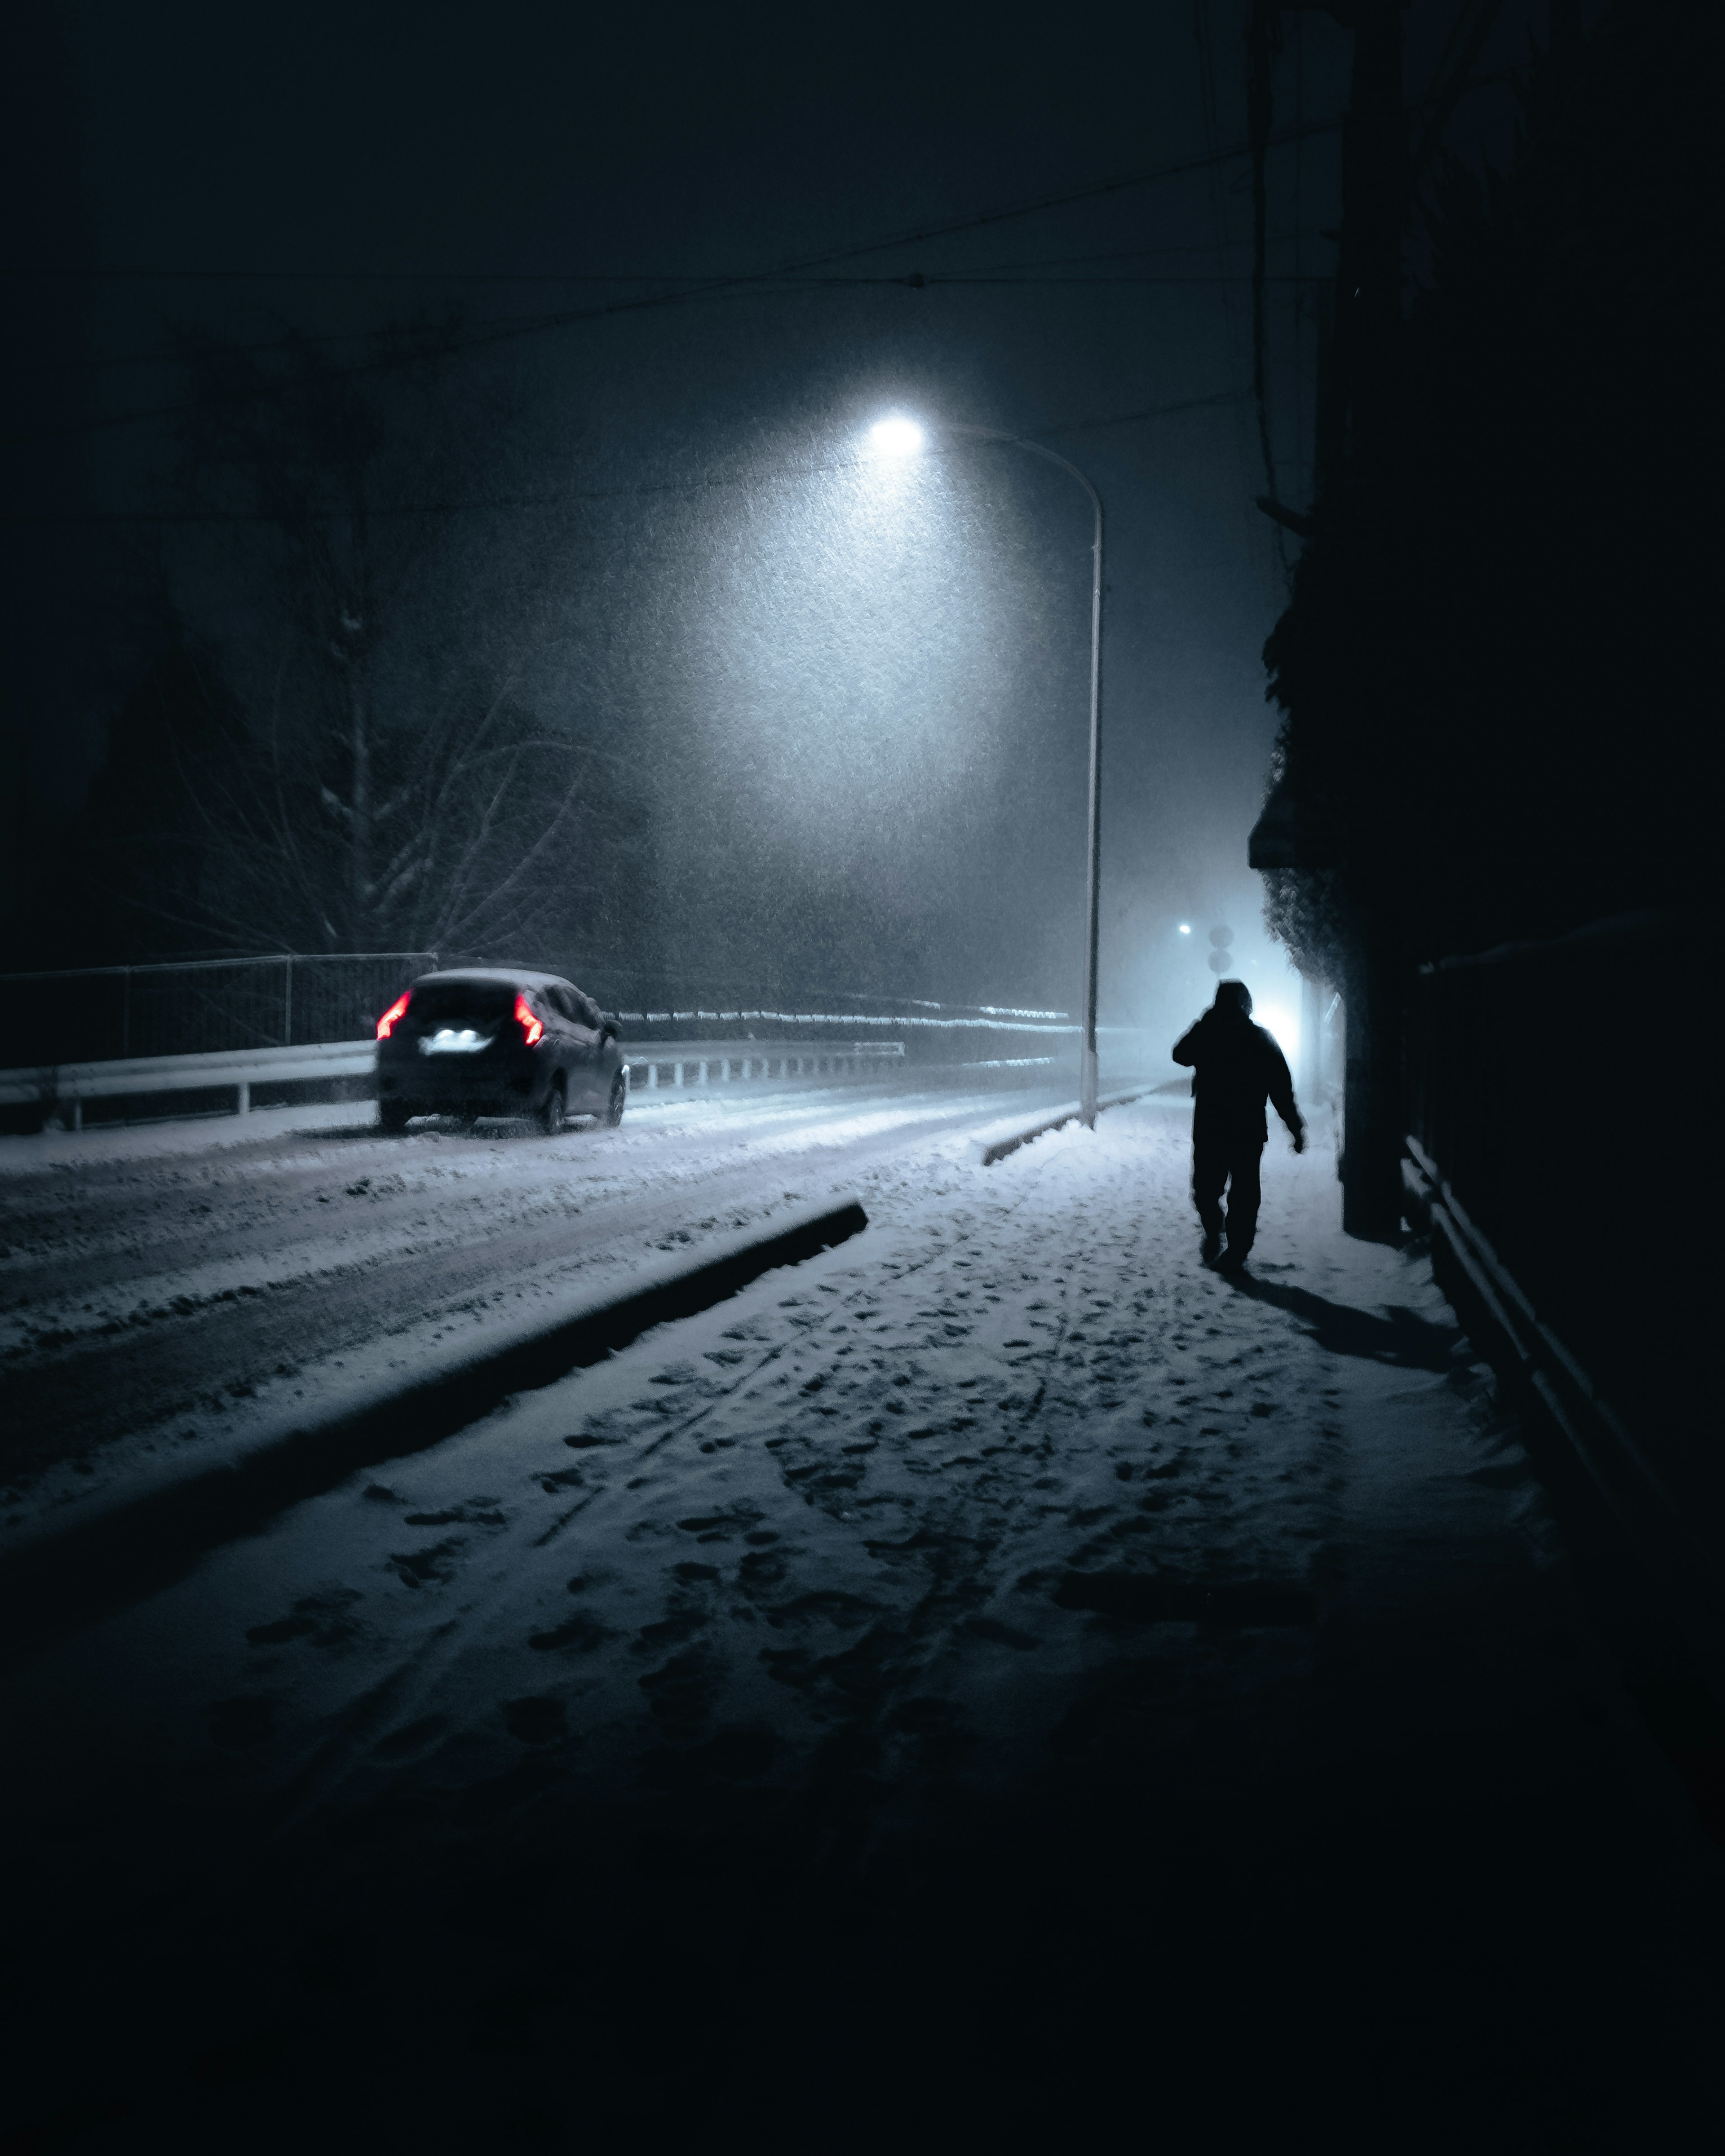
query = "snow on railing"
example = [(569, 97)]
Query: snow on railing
[(723, 1062), (996, 1021)]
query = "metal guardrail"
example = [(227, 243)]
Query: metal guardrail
[(721, 1062), (63, 1088), (58, 1087)]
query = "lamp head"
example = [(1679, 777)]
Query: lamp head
[(896, 436)]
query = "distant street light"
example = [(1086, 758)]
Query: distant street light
[(898, 436)]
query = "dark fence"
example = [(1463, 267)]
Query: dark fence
[(198, 1007), (1558, 1088)]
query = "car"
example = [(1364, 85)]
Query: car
[(498, 1040)]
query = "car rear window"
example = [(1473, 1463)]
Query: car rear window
[(462, 1002)]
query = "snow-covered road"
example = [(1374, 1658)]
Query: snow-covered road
[(998, 1677), (162, 1288)]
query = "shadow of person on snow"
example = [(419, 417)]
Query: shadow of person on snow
[(1401, 1336)]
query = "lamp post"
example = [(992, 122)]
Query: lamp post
[(900, 436)]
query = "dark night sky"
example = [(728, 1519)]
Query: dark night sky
[(339, 166)]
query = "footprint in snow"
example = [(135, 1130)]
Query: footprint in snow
[(430, 1566), (320, 1618), (670, 1631), (825, 1605), (476, 1512)]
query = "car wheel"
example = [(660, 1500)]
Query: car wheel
[(393, 1115), (619, 1101), (552, 1115)]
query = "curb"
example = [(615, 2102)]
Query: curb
[(147, 1536), (989, 1152)]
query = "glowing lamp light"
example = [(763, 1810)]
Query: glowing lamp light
[(1283, 1026), (896, 437), (531, 1027), (396, 1013)]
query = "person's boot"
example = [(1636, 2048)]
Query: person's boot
[(1231, 1260), (1211, 1248)]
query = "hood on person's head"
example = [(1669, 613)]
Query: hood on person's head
[(1234, 998)]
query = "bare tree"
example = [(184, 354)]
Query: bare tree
[(390, 785)]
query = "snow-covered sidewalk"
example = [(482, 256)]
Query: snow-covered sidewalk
[(998, 1672)]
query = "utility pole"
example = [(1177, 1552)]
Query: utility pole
[(1088, 1079)]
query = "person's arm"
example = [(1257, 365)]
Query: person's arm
[(1185, 1049), (1282, 1097)]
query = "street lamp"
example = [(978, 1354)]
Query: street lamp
[(897, 436)]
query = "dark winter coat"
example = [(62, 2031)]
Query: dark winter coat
[(1236, 1068)]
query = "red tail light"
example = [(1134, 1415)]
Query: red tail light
[(524, 1018), (396, 1010)]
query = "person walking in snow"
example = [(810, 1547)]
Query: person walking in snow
[(1236, 1067)]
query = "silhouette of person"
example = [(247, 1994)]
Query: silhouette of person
[(1236, 1067)]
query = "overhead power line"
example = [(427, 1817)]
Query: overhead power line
[(910, 237), (998, 273)]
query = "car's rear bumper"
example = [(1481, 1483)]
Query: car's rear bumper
[(505, 1085)]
